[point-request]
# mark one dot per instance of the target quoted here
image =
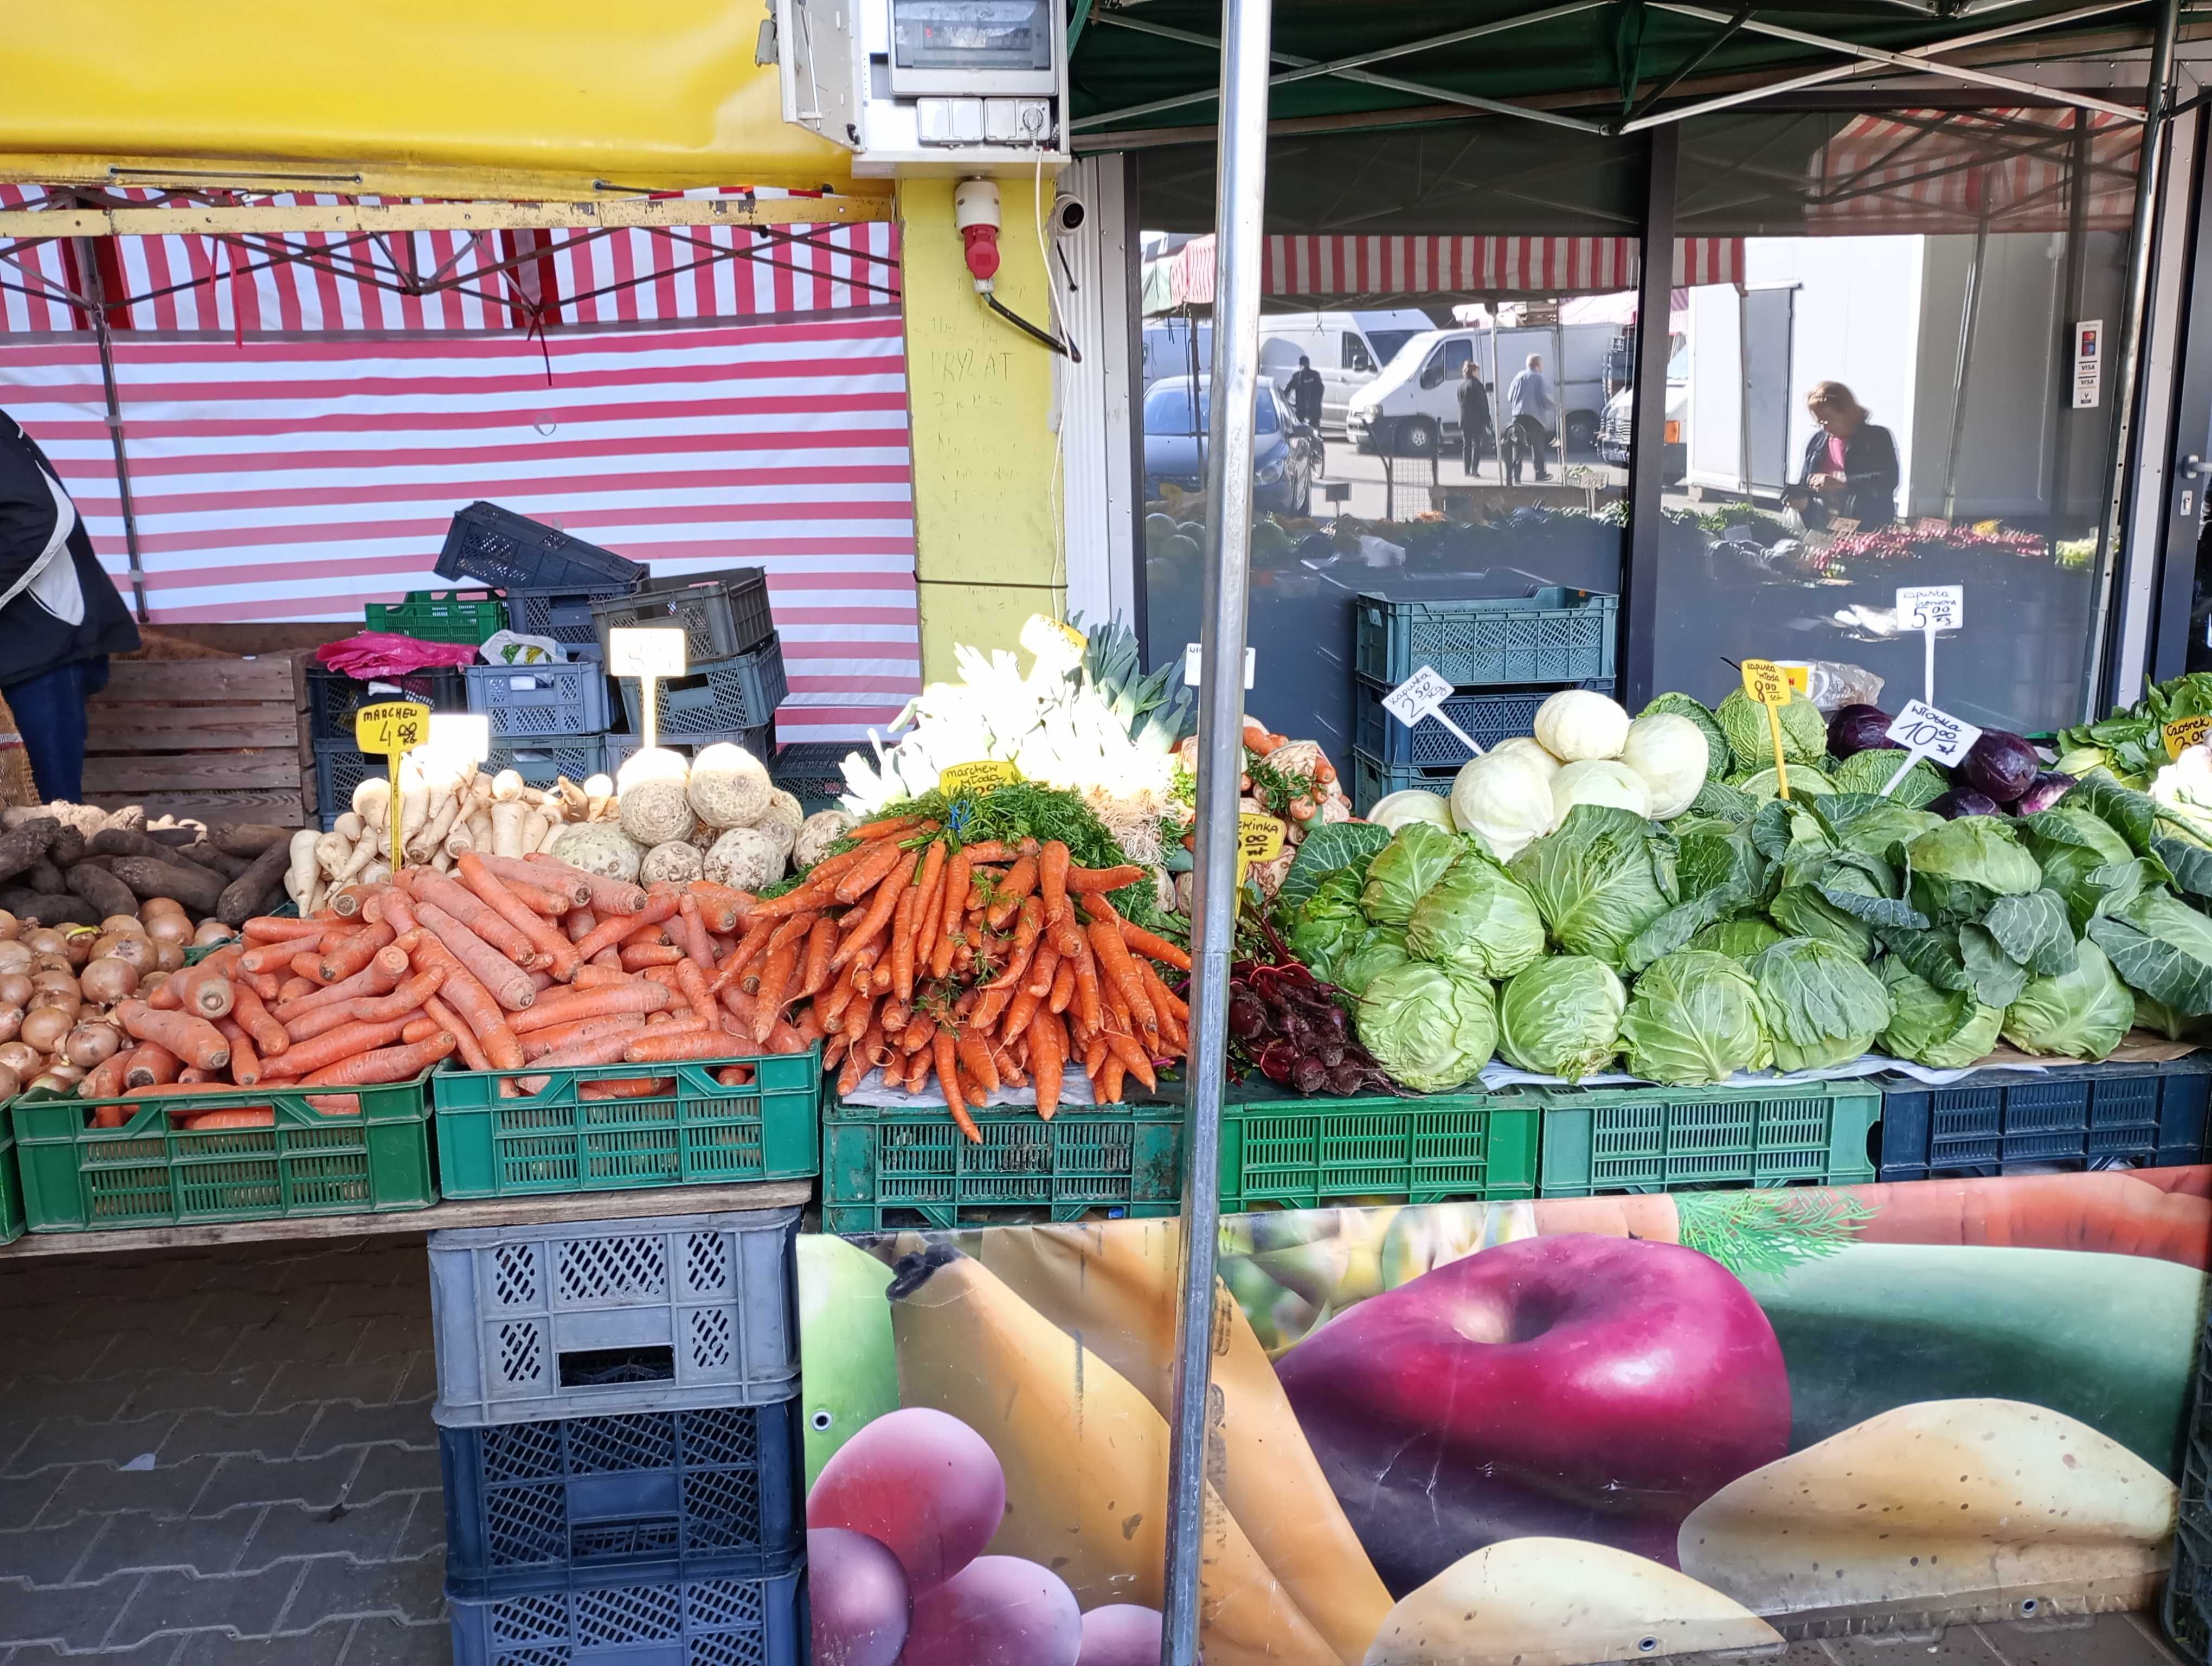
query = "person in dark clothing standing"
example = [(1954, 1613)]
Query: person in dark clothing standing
[(1473, 419), (1303, 391), (60, 618), (1849, 468)]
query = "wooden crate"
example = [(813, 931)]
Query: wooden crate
[(224, 741)]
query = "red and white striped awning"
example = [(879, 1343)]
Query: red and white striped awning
[(440, 281), (1942, 172), (1334, 267)]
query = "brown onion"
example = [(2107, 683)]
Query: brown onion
[(81, 939), (169, 927), (46, 940), (22, 1058), (10, 1084), (44, 1026), (89, 1044), (168, 956), (212, 931), (15, 989), (59, 1077), (12, 1022), (9, 926), (14, 956), (134, 949), (109, 979), (123, 922)]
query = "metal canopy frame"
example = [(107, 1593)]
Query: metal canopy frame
[(1642, 115)]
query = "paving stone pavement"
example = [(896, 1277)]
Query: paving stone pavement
[(221, 1457), (225, 1457)]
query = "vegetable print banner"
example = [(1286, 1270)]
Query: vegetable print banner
[(1550, 1432)]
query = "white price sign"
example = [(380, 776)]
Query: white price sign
[(1923, 732), (653, 651), (1423, 695), (1931, 606), (1194, 664)]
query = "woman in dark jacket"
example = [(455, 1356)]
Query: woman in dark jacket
[(60, 616), (1850, 470)]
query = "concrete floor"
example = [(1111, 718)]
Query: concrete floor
[(225, 1457)]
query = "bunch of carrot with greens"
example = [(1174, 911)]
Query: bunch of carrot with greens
[(990, 963)]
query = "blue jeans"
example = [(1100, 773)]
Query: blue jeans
[(49, 716)]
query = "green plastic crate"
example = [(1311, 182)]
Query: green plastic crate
[(11, 1187), (149, 1173), (1278, 1149), (441, 615), (884, 1168), (1669, 1139), (555, 1141)]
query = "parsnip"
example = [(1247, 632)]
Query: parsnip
[(508, 786), (300, 876), (414, 810), (507, 827), (371, 801), (552, 833), (448, 805), (534, 824), (332, 850)]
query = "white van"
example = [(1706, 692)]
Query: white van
[(1348, 349), (1413, 407)]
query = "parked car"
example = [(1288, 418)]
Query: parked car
[(1411, 409), (1175, 436), (1618, 423)]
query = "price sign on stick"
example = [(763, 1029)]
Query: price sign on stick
[(2184, 733), (1193, 667), (1259, 839), (390, 729), (1928, 608), (1769, 684), (649, 653), (1923, 732), (961, 781), (1423, 695)]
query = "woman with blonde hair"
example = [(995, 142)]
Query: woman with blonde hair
[(1850, 470)]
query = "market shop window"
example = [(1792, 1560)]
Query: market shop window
[(1883, 394)]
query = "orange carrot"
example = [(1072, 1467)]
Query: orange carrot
[(948, 1078), (1053, 864), (2114, 1212), (821, 943), (1107, 1085), (1047, 1058), (1020, 881), (636, 956), (1088, 881), (941, 934), (391, 1064), (422, 1029), (691, 983), (295, 987), (376, 978), (894, 827), (604, 895), (1063, 988), (105, 1080), (691, 933), (974, 1055), (256, 1020), (1131, 1057), (193, 1040), (538, 1043), (864, 875), (598, 977), (304, 1058), (408, 998), (269, 928), (479, 916), (1114, 960), (148, 1063), (883, 907), (1155, 948), (655, 1048), (548, 875), (244, 1062), (554, 950), (636, 996), (353, 952), (775, 981), (510, 986), (472, 1003), (614, 928)]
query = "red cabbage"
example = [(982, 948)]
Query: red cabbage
[(1965, 801), (2003, 765), (1859, 729), (2049, 788)]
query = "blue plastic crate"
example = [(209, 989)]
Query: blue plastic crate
[(656, 1495), (563, 616), (508, 552), (1556, 636), (760, 742), (1373, 780), (677, 1622), (813, 772), (540, 762), (721, 695), (2086, 1116), (1490, 717), (538, 700), (338, 769)]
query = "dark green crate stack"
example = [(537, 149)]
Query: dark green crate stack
[(148, 1172), (702, 1133), (1280, 1150), (1666, 1140), (11, 1185)]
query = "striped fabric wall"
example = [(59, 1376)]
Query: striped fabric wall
[(296, 479)]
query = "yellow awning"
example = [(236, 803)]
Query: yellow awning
[(459, 98)]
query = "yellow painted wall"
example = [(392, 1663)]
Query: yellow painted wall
[(987, 525)]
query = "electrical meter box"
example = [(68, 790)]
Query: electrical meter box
[(922, 87)]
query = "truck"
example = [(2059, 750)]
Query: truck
[(1411, 409), (1348, 349)]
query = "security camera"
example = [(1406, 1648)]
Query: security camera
[(1070, 214)]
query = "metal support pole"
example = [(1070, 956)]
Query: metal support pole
[(2120, 461), (1647, 456), (1962, 369), (1240, 169), (95, 287)]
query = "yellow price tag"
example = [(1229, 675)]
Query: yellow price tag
[(391, 727), (1259, 839), (2184, 733), (964, 780), (1769, 684), (1076, 639)]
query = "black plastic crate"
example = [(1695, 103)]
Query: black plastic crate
[(679, 1622), (338, 769), (717, 698), (760, 742), (527, 703), (333, 697), (655, 1495), (508, 552), (563, 616), (2088, 1116), (813, 772), (1489, 714), (723, 614)]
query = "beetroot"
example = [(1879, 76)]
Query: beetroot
[(1577, 1386)]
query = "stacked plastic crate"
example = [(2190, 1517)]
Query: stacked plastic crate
[(736, 680), (619, 1429), (1503, 656)]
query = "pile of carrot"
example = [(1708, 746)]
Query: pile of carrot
[(982, 965)]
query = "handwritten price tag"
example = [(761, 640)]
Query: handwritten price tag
[(1259, 839), (966, 780), (391, 727), (655, 650), (1766, 682), (2184, 733), (1417, 697), (1926, 732), (1931, 606)]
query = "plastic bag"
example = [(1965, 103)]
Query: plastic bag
[(1832, 684), (385, 653), (512, 647)]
